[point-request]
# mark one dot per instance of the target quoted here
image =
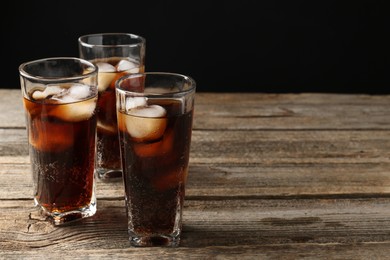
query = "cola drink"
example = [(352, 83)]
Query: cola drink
[(61, 133), (108, 155), (155, 114), (115, 54), (156, 167)]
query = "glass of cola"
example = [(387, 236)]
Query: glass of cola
[(155, 115), (60, 101)]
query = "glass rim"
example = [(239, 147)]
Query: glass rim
[(188, 79), (141, 39), (24, 73)]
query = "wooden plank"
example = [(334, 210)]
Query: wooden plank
[(361, 251), (280, 176), (291, 111), (260, 181), (240, 99), (272, 147), (13, 142), (265, 147), (260, 111), (212, 223), (11, 107), (251, 163)]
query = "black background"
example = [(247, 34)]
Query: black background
[(234, 46)]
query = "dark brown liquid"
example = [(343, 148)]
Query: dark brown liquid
[(107, 139), (107, 130), (62, 156), (156, 172)]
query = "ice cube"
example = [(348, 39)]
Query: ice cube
[(66, 99), (134, 70), (124, 65), (74, 112), (157, 148), (48, 91), (105, 76), (146, 123), (104, 80), (74, 93), (133, 102), (105, 67), (152, 111), (79, 91)]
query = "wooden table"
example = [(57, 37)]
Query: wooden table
[(275, 176)]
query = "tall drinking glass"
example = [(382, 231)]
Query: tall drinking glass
[(60, 96), (155, 114), (115, 54)]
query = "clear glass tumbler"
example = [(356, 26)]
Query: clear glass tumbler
[(115, 54), (60, 97), (155, 115)]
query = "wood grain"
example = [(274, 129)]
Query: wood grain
[(272, 176)]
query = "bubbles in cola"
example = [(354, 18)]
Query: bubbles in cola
[(62, 123), (155, 152), (108, 152)]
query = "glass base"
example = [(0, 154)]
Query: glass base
[(154, 241), (62, 218), (109, 174)]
